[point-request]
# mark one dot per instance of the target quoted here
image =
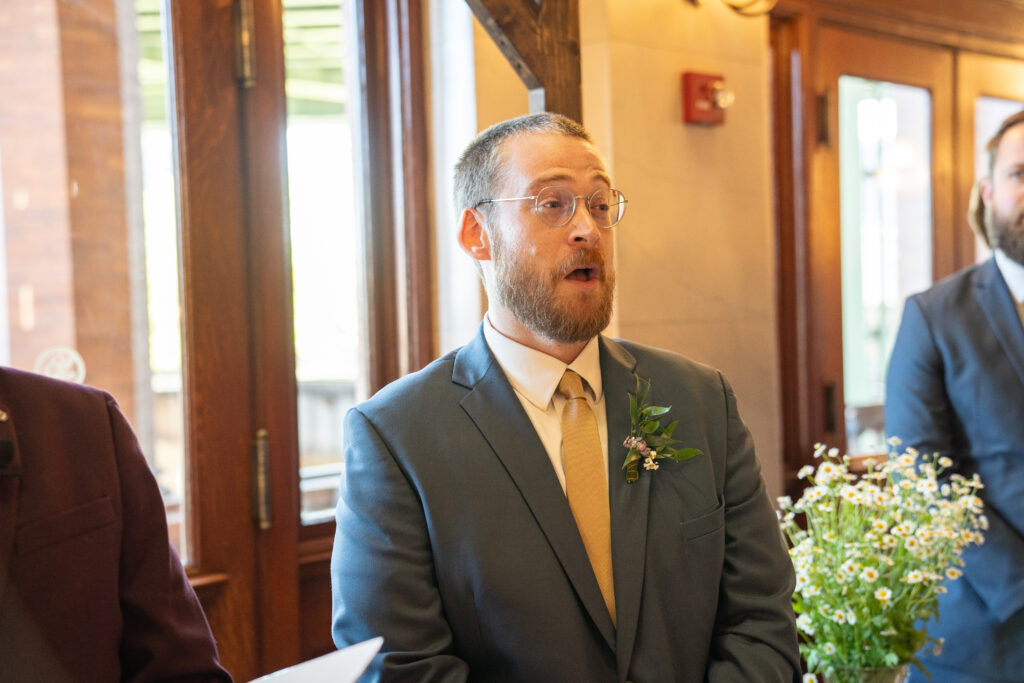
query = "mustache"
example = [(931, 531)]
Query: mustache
[(584, 258)]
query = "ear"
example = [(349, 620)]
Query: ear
[(985, 186), (473, 235)]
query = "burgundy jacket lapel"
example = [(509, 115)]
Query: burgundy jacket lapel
[(10, 485)]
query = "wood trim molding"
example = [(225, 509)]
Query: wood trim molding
[(397, 295), (416, 254), (541, 40), (989, 27), (216, 364), (269, 286), (376, 188)]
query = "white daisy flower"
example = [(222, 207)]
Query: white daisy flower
[(914, 576), (870, 574)]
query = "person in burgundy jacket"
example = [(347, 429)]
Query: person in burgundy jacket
[(90, 587)]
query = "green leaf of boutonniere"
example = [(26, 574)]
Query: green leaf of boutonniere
[(648, 441)]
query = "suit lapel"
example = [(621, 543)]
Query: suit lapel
[(629, 502), (9, 488), (492, 405), (996, 302)]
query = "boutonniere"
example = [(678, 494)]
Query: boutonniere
[(648, 440)]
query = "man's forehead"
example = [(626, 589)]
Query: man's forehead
[(1011, 146), (534, 158)]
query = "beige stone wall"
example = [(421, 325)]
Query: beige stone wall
[(696, 263)]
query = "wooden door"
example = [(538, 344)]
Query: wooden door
[(306, 156), (880, 219)]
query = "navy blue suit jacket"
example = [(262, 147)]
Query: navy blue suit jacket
[(956, 386), (456, 543)]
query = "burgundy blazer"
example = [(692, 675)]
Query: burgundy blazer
[(90, 587)]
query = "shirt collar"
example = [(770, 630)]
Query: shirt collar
[(1013, 273), (535, 374)]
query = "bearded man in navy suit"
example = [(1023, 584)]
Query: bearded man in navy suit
[(459, 537), (956, 387)]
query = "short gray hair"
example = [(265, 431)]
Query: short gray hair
[(479, 168)]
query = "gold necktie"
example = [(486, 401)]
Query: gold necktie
[(586, 482)]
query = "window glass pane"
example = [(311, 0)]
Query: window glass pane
[(989, 112), (88, 241), (886, 225), (162, 266), (323, 244)]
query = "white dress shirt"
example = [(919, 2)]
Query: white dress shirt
[(534, 375), (1013, 273)]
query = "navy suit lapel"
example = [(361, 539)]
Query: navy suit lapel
[(997, 303), (629, 502), (9, 488), (492, 405)]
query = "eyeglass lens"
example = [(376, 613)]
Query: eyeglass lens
[(556, 206)]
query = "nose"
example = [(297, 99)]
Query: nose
[(583, 227)]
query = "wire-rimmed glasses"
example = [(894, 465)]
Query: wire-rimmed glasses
[(557, 205)]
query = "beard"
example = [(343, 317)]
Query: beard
[(1006, 232), (530, 295)]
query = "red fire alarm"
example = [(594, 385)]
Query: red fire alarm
[(705, 98)]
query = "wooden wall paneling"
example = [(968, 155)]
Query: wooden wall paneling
[(269, 290), (541, 40), (216, 323), (36, 216), (315, 606)]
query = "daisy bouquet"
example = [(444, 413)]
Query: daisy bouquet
[(872, 553)]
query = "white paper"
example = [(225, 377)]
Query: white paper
[(343, 666)]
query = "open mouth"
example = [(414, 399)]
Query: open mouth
[(584, 274)]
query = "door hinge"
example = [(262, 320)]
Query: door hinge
[(829, 400), (261, 479), (821, 111), (245, 43)]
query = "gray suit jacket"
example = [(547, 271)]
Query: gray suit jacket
[(456, 543), (956, 386)]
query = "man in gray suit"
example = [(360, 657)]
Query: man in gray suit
[(956, 387), (475, 533)]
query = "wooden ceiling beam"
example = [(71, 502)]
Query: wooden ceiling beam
[(541, 40)]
